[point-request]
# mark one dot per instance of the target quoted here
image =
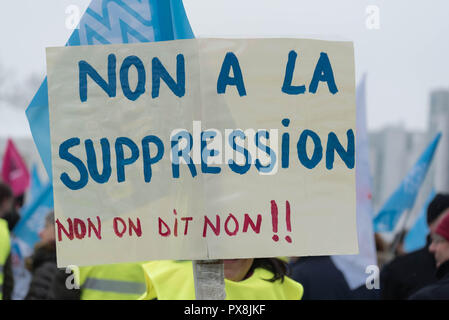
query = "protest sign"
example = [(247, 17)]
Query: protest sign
[(203, 149)]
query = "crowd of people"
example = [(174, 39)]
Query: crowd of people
[(422, 274)]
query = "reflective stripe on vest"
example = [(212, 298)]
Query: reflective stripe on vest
[(125, 287), (125, 281)]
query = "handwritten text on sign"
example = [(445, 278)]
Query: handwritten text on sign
[(208, 148)]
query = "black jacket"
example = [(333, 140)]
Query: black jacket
[(59, 291), (8, 279), (407, 274), (12, 217), (42, 265), (321, 279), (48, 282), (437, 291)]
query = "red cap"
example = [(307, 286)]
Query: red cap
[(443, 228)]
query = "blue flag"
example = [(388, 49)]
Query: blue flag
[(33, 218), (35, 185), (404, 196), (111, 22), (26, 235), (416, 236)]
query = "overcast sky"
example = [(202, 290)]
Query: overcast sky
[(405, 57)]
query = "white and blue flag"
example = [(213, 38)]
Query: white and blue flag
[(26, 235), (111, 22), (32, 219), (32, 216), (35, 185), (104, 22), (405, 195), (416, 236)]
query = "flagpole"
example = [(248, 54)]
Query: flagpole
[(208, 277), (398, 235)]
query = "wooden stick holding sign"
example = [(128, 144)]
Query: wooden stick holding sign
[(208, 276)]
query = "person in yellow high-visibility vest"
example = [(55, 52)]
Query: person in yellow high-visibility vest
[(123, 281), (245, 279), (6, 277), (5, 247)]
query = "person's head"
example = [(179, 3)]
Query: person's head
[(6, 199), (440, 241), (383, 255), (237, 269), (47, 234), (19, 201), (240, 269), (436, 210)]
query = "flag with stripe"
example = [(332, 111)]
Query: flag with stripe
[(25, 235), (416, 236), (403, 198), (35, 185), (33, 218), (111, 22)]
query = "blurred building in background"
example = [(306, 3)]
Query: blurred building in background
[(393, 151), (439, 122)]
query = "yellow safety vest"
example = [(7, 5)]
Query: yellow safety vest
[(5, 248), (173, 280), (124, 281)]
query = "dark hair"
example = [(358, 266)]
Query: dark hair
[(50, 218), (277, 266), (19, 200), (381, 245), (5, 192), (437, 206)]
